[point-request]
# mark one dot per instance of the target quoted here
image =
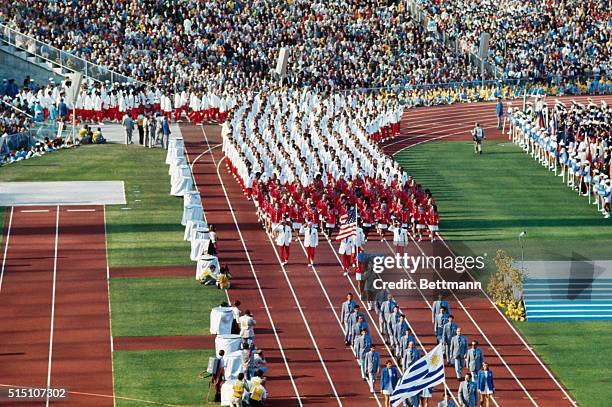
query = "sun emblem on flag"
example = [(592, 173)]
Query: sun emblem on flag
[(434, 359)]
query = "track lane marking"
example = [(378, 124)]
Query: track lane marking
[(52, 305), (263, 298), (6, 245), (110, 325), (299, 308)]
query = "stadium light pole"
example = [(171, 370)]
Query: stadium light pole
[(521, 238)]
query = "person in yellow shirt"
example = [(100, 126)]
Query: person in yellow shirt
[(258, 393), (238, 391)]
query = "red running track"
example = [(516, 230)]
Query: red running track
[(317, 359), (55, 272)]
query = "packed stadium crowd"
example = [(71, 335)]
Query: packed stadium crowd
[(574, 141), (531, 39), (223, 44)]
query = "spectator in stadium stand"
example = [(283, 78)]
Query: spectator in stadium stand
[(346, 310), (474, 359), (372, 366), (486, 386), (467, 394), (531, 39), (458, 352), (447, 402), (389, 377)]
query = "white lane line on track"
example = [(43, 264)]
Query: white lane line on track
[(432, 139), (33, 210), (246, 251), (464, 130), (422, 111), (6, 245), (52, 305), (331, 305), (443, 117), (299, 307), (202, 154), (110, 326), (460, 303), (80, 210), (375, 323), (569, 398)]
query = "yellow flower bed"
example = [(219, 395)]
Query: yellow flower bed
[(513, 309)]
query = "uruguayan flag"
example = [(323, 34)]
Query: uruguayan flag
[(423, 374)]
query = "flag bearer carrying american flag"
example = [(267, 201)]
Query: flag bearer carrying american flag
[(346, 236)]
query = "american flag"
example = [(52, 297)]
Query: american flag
[(348, 224)]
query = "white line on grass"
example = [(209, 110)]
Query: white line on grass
[(6, 245), (263, 298), (52, 305), (110, 326)]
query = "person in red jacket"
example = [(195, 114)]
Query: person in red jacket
[(421, 222), (433, 222), (382, 217), (331, 219)]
